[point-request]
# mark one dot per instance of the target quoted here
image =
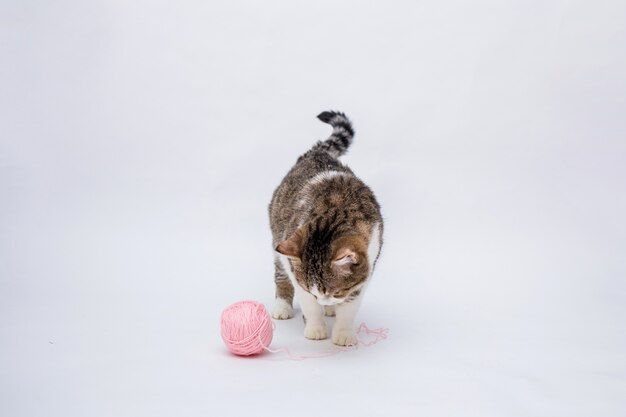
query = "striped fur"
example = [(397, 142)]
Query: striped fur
[(339, 141)]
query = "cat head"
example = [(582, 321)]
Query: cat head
[(332, 268)]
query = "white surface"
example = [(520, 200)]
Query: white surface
[(139, 146)]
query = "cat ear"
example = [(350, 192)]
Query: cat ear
[(344, 260), (347, 256), (291, 247)]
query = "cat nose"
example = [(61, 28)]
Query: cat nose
[(324, 300)]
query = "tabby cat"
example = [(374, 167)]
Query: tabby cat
[(327, 233)]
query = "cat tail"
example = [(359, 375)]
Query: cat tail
[(338, 142)]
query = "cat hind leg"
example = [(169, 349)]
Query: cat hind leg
[(283, 305)]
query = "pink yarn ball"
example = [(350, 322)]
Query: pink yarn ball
[(246, 328)]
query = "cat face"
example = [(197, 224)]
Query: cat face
[(332, 270)]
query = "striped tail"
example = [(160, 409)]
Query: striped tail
[(338, 142)]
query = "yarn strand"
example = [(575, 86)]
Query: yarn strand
[(379, 335)]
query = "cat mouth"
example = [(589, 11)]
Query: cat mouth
[(328, 301)]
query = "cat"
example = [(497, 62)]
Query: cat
[(327, 232)]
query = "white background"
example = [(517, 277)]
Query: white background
[(140, 143)]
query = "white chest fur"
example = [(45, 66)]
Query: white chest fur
[(284, 261)]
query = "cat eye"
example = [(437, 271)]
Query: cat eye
[(343, 293), (346, 292)]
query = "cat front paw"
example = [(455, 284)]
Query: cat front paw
[(282, 310), (315, 332), (345, 337)]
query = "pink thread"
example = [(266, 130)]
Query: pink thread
[(379, 334), (247, 330)]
